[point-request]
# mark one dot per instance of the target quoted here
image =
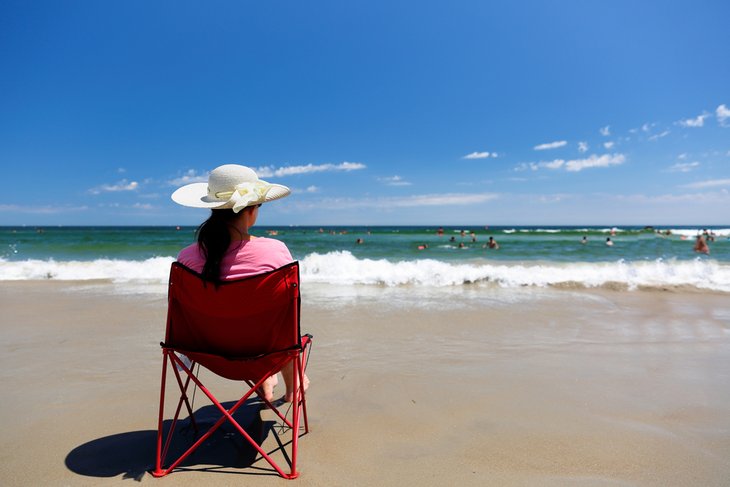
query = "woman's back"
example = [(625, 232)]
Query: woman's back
[(244, 258)]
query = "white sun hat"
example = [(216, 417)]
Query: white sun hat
[(229, 186)]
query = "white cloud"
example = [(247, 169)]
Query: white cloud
[(595, 161), (575, 165), (534, 166), (722, 113), (582, 147), (551, 145), (711, 183), (269, 171), (191, 176), (722, 196), (605, 131), (479, 155), (659, 135), (143, 206), (696, 122), (556, 164), (312, 189), (608, 145), (122, 185), (394, 181), (414, 201), (647, 127), (684, 166), (41, 210), (453, 199)]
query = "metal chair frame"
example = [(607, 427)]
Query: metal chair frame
[(251, 369)]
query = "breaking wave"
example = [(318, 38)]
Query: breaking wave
[(343, 268)]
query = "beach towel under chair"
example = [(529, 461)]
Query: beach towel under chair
[(243, 330)]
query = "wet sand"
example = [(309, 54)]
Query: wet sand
[(480, 387)]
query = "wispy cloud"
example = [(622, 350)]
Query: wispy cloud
[(480, 155), (582, 147), (122, 185), (413, 201), (722, 113), (696, 122), (189, 177), (605, 131), (143, 206), (534, 166), (551, 145), (41, 210), (659, 135), (710, 183), (394, 181), (453, 199), (595, 161), (684, 166), (269, 171), (720, 197), (575, 165), (609, 145)]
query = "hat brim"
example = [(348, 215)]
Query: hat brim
[(195, 195)]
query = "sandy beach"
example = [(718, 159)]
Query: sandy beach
[(475, 387)]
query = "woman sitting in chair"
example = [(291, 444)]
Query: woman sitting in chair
[(225, 249)]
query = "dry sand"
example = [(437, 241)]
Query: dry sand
[(532, 387)]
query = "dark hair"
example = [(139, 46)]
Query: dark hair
[(214, 238)]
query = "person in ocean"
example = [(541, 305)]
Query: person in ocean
[(609, 242), (584, 240), (225, 249), (701, 245), (492, 244)]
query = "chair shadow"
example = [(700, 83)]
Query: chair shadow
[(132, 454)]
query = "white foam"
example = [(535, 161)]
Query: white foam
[(344, 269), (693, 232), (116, 270)]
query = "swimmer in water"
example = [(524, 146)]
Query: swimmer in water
[(701, 245)]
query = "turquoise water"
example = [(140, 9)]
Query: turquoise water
[(394, 256), (548, 244)]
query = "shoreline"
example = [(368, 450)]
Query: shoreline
[(532, 387)]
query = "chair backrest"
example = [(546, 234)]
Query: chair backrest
[(237, 319)]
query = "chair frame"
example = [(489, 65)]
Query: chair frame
[(184, 375)]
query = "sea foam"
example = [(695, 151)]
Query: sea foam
[(344, 269)]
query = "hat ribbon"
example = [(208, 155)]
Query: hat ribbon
[(245, 194)]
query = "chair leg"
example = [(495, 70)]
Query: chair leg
[(298, 408), (158, 472)]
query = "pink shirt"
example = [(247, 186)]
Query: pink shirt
[(243, 259)]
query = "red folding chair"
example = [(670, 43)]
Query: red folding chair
[(243, 330)]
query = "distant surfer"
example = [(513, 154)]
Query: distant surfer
[(584, 240), (701, 245), (609, 242)]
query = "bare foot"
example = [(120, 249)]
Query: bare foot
[(289, 397), (267, 388)]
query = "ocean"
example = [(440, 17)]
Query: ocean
[(404, 257)]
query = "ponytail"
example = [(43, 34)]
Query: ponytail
[(214, 238)]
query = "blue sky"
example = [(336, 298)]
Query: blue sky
[(373, 112)]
